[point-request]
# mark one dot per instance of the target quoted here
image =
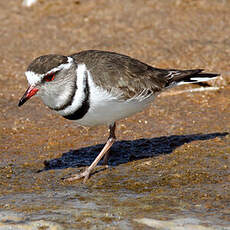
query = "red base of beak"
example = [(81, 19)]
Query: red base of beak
[(31, 91)]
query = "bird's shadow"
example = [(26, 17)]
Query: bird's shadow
[(125, 151)]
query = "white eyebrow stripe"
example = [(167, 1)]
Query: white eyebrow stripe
[(62, 66), (35, 78)]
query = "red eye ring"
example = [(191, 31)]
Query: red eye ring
[(49, 77)]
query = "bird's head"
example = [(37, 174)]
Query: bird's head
[(52, 77)]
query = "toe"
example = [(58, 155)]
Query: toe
[(78, 176)]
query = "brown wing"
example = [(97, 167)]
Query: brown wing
[(122, 72)]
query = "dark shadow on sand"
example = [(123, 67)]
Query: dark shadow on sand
[(126, 151)]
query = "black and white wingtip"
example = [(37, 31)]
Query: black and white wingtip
[(198, 77), (178, 77)]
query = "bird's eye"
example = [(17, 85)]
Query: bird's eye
[(49, 77)]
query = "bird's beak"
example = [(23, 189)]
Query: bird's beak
[(31, 91)]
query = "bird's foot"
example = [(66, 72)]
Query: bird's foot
[(85, 174), (78, 176)]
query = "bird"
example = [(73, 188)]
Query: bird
[(95, 87)]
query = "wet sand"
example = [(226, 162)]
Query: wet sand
[(171, 161)]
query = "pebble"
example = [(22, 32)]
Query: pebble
[(178, 224), (28, 3), (15, 221)]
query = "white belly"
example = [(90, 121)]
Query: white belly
[(107, 112)]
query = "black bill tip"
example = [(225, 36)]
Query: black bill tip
[(22, 101), (24, 98), (27, 95)]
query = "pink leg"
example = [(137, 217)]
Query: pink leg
[(111, 135), (104, 152)]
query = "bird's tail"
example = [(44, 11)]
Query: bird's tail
[(181, 77)]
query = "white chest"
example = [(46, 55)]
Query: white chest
[(105, 107)]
